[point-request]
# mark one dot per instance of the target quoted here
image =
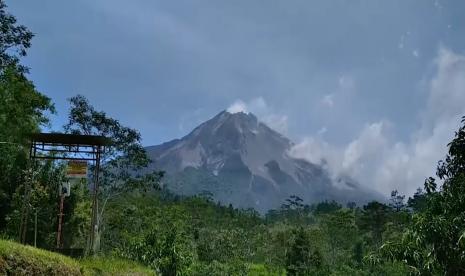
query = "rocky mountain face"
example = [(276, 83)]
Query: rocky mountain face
[(241, 161)]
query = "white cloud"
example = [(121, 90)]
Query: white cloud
[(447, 97), (365, 148), (237, 107), (401, 42), (263, 111), (322, 131), (346, 82), (317, 151), (276, 122), (378, 162), (328, 100), (258, 105), (437, 4)]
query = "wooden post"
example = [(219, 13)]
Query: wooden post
[(35, 229), (26, 205), (60, 220), (94, 231)]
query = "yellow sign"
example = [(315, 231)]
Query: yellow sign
[(77, 169)]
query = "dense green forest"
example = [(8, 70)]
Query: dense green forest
[(140, 220)]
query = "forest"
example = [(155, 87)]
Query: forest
[(142, 221)]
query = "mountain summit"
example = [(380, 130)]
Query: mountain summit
[(243, 162)]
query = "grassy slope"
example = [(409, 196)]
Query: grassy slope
[(16, 259)]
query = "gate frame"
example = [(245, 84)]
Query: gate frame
[(46, 146)]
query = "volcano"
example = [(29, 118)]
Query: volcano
[(241, 161)]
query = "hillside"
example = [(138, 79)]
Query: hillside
[(17, 259)]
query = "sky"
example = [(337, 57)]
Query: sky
[(371, 89)]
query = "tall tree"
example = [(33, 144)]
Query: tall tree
[(301, 258), (125, 160), (22, 108), (326, 207), (22, 111), (341, 231), (397, 201), (418, 201), (374, 218), (15, 39), (435, 242)]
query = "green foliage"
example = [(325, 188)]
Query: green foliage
[(418, 202), (326, 207), (166, 250), (123, 159), (22, 111), (76, 222), (397, 201), (358, 253), (434, 242), (221, 240), (222, 245), (292, 211), (374, 217), (113, 266), (341, 232), (302, 259), (16, 259), (216, 268), (262, 270), (44, 181), (22, 107), (14, 40), (197, 234)]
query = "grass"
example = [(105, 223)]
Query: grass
[(112, 266), (261, 270), (17, 259)]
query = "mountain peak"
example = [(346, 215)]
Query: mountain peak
[(244, 162), (239, 114)]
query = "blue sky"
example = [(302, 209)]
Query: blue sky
[(373, 87)]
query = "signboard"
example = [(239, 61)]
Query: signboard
[(76, 169), (65, 189)]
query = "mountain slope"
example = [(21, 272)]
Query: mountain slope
[(242, 161)]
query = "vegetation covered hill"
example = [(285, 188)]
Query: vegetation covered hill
[(16, 259), (196, 236)]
